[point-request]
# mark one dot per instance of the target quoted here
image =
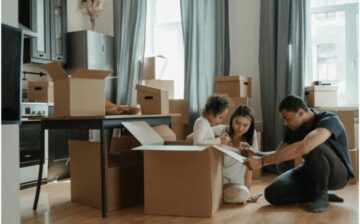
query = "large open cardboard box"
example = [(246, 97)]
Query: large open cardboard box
[(179, 179), (233, 86), (81, 94), (124, 176)]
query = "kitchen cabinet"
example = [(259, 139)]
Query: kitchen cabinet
[(47, 18)]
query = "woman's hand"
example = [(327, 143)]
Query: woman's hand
[(246, 150)]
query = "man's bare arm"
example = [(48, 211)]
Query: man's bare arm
[(300, 148)]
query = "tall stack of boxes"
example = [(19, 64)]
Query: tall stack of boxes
[(153, 69), (238, 88), (350, 119)]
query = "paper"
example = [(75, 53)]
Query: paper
[(231, 151)]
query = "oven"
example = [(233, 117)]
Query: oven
[(30, 143)]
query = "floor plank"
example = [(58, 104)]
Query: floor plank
[(55, 208)]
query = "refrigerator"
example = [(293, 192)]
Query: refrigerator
[(92, 50)]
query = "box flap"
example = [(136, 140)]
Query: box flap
[(176, 148), (148, 89), (143, 133), (90, 74), (55, 71), (231, 78), (230, 151), (165, 132)]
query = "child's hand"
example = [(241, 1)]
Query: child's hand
[(224, 140), (246, 150)]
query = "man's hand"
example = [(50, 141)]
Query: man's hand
[(253, 163)]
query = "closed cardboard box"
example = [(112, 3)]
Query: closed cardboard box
[(81, 94), (124, 177), (235, 103), (349, 120), (154, 67), (152, 100), (167, 85), (354, 156), (321, 96), (41, 91), (180, 106), (233, 86)]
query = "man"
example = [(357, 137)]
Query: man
[(321, 139)]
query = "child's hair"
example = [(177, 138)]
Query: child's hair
[(247, 112), (216, 104)]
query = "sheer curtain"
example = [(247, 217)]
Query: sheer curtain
[(129, 42), (206, 42)]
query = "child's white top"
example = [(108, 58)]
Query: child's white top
[(204, 134)]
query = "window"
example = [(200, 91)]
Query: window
[(164, 37), (333, 53)]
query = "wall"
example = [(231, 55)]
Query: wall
[(77, 20), (244, 23), (10, 195), (9, 12)]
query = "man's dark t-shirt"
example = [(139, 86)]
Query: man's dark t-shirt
[(337, 141)]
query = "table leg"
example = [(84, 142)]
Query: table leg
[(42, 155), (103, 175)]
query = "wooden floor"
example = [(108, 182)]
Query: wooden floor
[(55, 208)]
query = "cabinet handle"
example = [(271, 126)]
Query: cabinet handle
[(41, 55), (59, 59)]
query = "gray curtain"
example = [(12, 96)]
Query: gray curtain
[(206, 42), (281, 61), (129, 42)]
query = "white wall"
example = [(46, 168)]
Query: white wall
[(9, 12), (77, 20), (244, 23)]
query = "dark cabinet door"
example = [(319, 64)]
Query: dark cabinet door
[(58, 30), (47, 18)]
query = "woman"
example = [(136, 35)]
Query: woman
[(236, 177)]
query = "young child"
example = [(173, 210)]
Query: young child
[(215, 111)]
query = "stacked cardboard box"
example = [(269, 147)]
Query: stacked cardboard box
[(180, 124), (321, 96), (41, 91), (152, 100), (153, 69), (238, 88), (354, 156)]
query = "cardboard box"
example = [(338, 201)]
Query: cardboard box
[(180, 107), (41, 91), (233, 86), (152, 100), (182, 180), (235, 103), (124, 177), (154, 67), (181, 130), (167, 85), (257, 173), (82, 94), (350, 119), (354, 156), (321, 96)]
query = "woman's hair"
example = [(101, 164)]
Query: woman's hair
[(216, 104), (244, 111)]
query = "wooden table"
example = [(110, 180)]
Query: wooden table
[(101, 123)]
